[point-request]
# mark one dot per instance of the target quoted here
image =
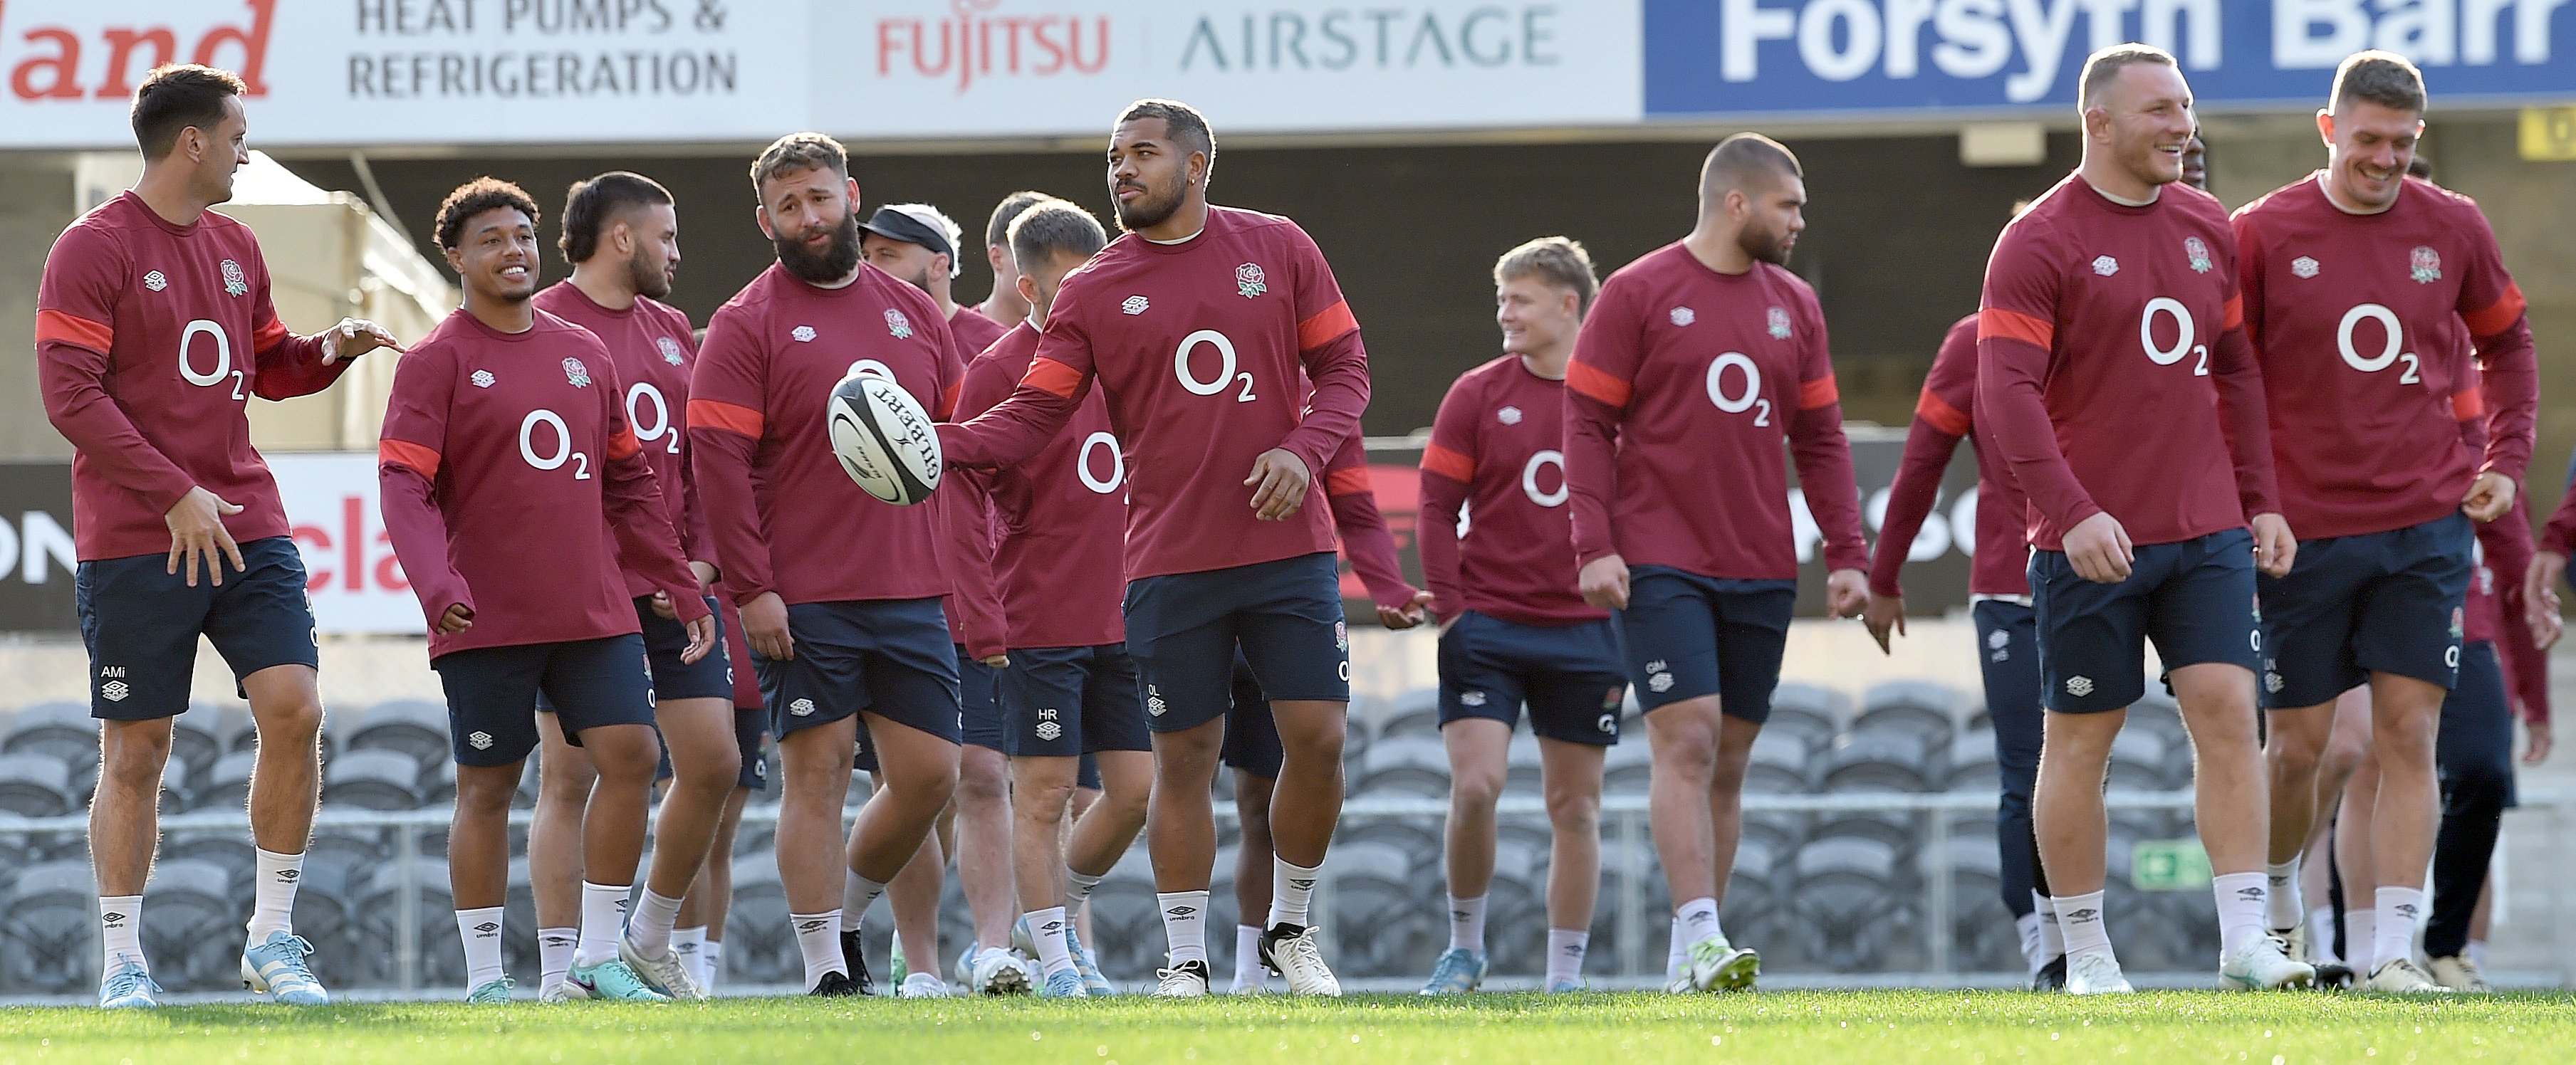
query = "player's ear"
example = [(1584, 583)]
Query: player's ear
[(760, 214), (2325, 125), (456, 261), (854, 193), (1028, 287)]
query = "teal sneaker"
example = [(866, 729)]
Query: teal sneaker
[(491, 993), (1562, 987), (1065, 983), (1093, 980), (275, 967), (128, 987), (1458, 972), (612, 981)]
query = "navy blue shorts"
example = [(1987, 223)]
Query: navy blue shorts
[(492, 693), (1088, 776), (1183, 630), (1063, 702), (751, 733), (890, 657), (1690, 636), (141, 622), (1572, 677), (1251, 734), (2386, 602), (2194, 599), (665, 641), (979, 717), (2476, 734)]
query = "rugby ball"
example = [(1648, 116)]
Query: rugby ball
[(885, 441)]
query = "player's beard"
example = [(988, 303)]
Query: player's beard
[(1152, 209), (650, 281), (829, 267), (1764, 243)]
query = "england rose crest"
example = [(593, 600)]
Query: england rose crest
[(2424, 265), (1248, 280), (576, 373), (670, 349), (2198, 253), (898, 325), (1779, 323), (234, 283)]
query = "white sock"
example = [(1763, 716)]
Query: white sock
[(2360, 947), (120, 929), (686, 942), (273, 894), (2282, 912), (1293, 886), (1680, 950), (2243, 900), (2052, 935), (2477, 952), (2321, 935), (554, 955), (1047, 928), (1248, 970), (710, 964), (1467, 923), (2080, 916), (2027, 926), (651, 926), (1077, 890), (818, 938), (857, 894), (1699, 921), (1185, 925), (481, 930), (603, 921), (2400, 910), (1565, 955)]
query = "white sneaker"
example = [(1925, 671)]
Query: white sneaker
[(2259, 964), (559, 992), (922, 985), (1293, 954), (2096, 973), (999, 972), (2401, 976), (668, 974), (1189, 979), (1713, 964), (2461, 974)]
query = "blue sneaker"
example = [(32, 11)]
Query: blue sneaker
[(1065, 983), (1458, 972), (275, 967), (1561, 987), (1093, 980), (491, 993), (612, 981), (128, 988)]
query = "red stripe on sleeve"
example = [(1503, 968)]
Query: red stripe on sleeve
[(1818, 393), (623, 444), (1998, 323), (1940, 415), (2235, 314), (419, 458), (730, 417), (1597, 384), (1450, 464), (1349, 480), (947, 402), (2468, 405), (1052, 377), (1325, 326), (56, 326), (2498, 318), (269, 334)]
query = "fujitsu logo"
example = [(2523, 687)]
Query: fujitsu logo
[(970, 44)]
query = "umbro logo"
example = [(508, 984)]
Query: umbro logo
[(2083, 915), (815, 925), (290, 875), (114, 691), (1181, 911), (112, 919), (804, 334), (1049, 730), (1684, 316), (1508, 415), (2304, 266), (487, 928), (481, 741), (801, 707), (483, 379), (2106, 265), (2249, 893), (156, 281), (1134, 305), (1301, 884), (1472, 699), (2079, 686)]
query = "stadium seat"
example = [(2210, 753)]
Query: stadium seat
[(1414, 713), (230, 849), (372, 779), (1408, 764), (191, 928), (1982, 935), (441, 962), (1879, 760), (1972, 762), (2138, 760), (50, 927), (61, 731), (1386, 922), (1915, 705), (196, 738), (1810, 704), (760, 945), (324, 916), (438, 785), (174, 786), (1852, 909), (1521, 761), (1410, 835), (227, 785), (411, 726), (1779, 766), (35, 785)]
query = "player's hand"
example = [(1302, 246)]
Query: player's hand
[(1604, 582), (1407, 616), (2540, 589), (2490, 496), (197, 534), (764, 627), (2274, 547), (662, 607), (996, 661), (706, 573), (1884, 614), (354, 337), (1846, 591), (458, 618), (2545, 629), (2099, 549), (1279, 479), (702, 639), (2536, 746)]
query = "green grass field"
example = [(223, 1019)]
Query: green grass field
[(1802, 1027)]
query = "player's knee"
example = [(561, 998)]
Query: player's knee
[(1044, 804), (482, 792), (1573, 809), (929, 782), (134, 757), (295, 723), (1691, 754), (564, 780), (712, 772), (983, 777)]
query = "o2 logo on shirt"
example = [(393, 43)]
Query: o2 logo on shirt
[(2388, 353), (660, 428), (1226, 374), (1529, 479), (2184, 333), (563, 451), (223, 369), (1733, 402)]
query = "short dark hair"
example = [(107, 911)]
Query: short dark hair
[(1052, 227), (475, 197), (997, 233), (1737, 160), (1559, 261), (2101, 66), (2420, 167), (798, 151), (1181, 122), (2383, 78), (176, 97), (590, 205)]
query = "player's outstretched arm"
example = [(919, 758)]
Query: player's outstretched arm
[(1367, 540), (291, 366), (1039, 407), (407, 462)]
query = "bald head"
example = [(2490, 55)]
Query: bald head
[(1749, 163)]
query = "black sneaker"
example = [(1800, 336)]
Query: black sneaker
[(2332, 976), (852, 956), (834, 985), (2052, 976)]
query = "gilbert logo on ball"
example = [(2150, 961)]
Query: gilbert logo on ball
[(885, 441)]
